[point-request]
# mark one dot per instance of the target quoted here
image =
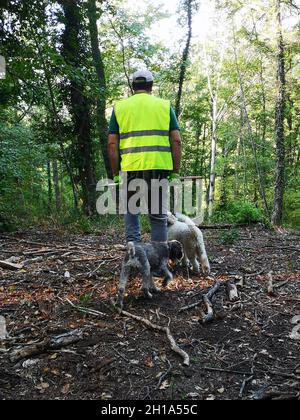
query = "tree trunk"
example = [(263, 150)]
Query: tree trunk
[(101, 97), (279, 123), (56, 186), (49, 186), (55, 117), (212, 177), (244, 109), (75, 56), (185, 55)]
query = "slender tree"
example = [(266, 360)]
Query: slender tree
[(215, 116), (188, 7), (279, 121), (100, 72), (75, 57)]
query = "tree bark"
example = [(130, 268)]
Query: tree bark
[(279, 122), (56, 186), (75, 56), (49, 185), (100, 71), (249, 126), (183, 66), (212, 176), (55, 117)]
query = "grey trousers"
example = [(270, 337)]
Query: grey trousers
[(158, 220)]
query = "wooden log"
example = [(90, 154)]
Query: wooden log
[(53, 343), (10, 266)]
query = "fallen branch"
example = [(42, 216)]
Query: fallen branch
[(207, 300), (237, 372), (10, 266), (53, 343), (270, 284), (245, 382), (226, 226), (295, 335), (95, 259), (232, 291), (164, 375), (174, 346), (85, 310), (193, 305), (281, 284)]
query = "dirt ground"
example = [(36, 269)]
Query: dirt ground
[(246, 352)]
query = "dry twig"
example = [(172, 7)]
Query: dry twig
[(174, 346)]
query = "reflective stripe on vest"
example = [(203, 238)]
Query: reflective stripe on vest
[(145, 149), (144, 123), (144, 133)]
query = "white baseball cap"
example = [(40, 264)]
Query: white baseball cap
[(142, 76)]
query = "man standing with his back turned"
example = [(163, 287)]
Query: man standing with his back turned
[(144, 141)]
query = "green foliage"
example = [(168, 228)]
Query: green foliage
[(229, 237), (238, 212), (32, 135), (145, 224), (292, 209), (85, 299), (21, 174)]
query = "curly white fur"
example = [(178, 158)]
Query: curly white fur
[(184, 230)]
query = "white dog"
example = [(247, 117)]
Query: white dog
[(181, 228)]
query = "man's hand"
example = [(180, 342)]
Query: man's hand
[(117, 180)]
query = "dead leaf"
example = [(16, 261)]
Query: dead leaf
[(106, 396), (193, 395), (53, 356), (65, 389), (149, 362), (164, 385)]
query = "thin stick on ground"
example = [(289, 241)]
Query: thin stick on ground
[(85, 310), (270, 284), (174, 346), (164, 375), (207, 300)]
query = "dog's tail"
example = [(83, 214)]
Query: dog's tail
[(131, 250)]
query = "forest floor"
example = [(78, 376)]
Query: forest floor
[(246, 352)]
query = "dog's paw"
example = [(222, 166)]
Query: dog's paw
[(205, 269), (147, 294)]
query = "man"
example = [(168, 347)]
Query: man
[(144, 141)]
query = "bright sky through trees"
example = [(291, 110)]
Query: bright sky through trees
[(169, 32)]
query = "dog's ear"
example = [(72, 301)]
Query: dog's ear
[(175, 250)]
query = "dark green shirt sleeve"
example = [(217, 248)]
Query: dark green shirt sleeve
[(114, 126), (174, 125)]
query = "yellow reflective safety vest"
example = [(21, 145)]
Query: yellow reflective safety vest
[(144, 124)]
